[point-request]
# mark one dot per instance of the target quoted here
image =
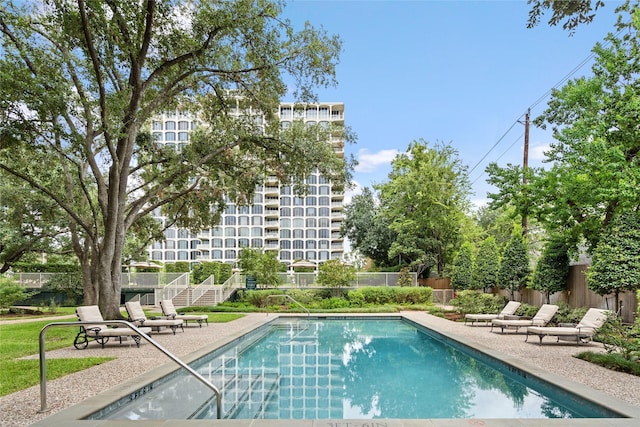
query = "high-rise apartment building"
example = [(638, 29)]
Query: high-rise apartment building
[(299, 228)]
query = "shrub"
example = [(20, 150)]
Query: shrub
[(11, 292), (356, 298), (334, 302), (477, 302), (619, 338), (527, 310), (260, 298), (419, 295), (566, 314)]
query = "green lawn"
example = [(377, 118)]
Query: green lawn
[(21, 339)]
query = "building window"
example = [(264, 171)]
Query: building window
[(216, 232), (256, 209), (256, 220), (323, 201), (243, 243), (170, 256), (229, 243), (285, 244), (285, 211), (323, 233), (311, 244), (183, 255), (298, 244), (157, 126), (170, 136), (171, 125), (156, 256), (310, 223), (157, 136), (170, 244), (182, 125), (243, 220), (311, 211), (217, 254), (216, 243), (230, 254), (183, 136), (311, 255), (256, 243), (285, 255), (298, 211), (310, 233), (324, 212), (183, 244), (230, 220), (298, 254), (230, 232), (183, 234), (243, 231), (285, 234), (324, 190), (256, 231), (285, 222)]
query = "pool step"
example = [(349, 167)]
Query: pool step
[(243, 396)]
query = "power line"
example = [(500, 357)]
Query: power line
[(535, 104)]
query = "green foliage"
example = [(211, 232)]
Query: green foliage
[(569, 13), (616, 258), (463, 267), (470, 301), (384, 295), (404, 278), (334, 303), (527, 310), (138, 61), (594, 174), (620, 338), (177, 267), (566, 314), (264, 266), (335, 273), (367, 230), (552, 270), (514, 268), (11, 292), (425, 203), (487, 265), (69, 284), (261, 298), (613, 361), (219, 270), (36, 267)]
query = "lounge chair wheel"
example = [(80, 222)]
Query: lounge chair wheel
[(81, 342)]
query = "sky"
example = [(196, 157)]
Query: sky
[(457, 72)]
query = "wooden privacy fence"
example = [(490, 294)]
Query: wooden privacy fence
[(577, 294)]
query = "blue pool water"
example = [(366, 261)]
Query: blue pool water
[(347, 369)]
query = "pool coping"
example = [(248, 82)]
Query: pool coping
[(73, 416)]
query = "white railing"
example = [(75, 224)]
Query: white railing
[(202, 288), (33, 280), (172, 289)]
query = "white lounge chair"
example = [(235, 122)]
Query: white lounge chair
[(137, 316), (100, 332), (171, 313), (508, 310), (541, 318), (582, 332)]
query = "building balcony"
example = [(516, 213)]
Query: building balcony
[(271, 212)]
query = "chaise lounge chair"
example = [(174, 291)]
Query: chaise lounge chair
[(100, 332), (541, 318), (171, 313), (137, 316), (582, 332), (508, 310)]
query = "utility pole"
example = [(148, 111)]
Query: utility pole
[(525, 165)]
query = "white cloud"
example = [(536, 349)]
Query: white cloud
[(369, 162), (348, 195), (537, 152)]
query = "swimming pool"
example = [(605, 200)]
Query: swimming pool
[(352, 368)]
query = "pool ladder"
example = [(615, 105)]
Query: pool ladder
[(43, 365)]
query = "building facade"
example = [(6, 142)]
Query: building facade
[(299, 228)]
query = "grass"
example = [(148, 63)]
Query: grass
[(22, 339)]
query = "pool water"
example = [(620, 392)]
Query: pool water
[(352, 369)]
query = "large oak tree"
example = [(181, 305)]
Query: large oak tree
[(81, 81)]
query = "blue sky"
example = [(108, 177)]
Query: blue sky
[(461, 72)]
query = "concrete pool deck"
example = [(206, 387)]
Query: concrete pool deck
[(78, 393)]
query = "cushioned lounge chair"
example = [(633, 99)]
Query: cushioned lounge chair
[(508, 310), (137, 316), (582, 332), (542, 317), (171, 313), (100, 332)]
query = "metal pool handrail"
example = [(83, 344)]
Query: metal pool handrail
[(287, 296), (43, 365)]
